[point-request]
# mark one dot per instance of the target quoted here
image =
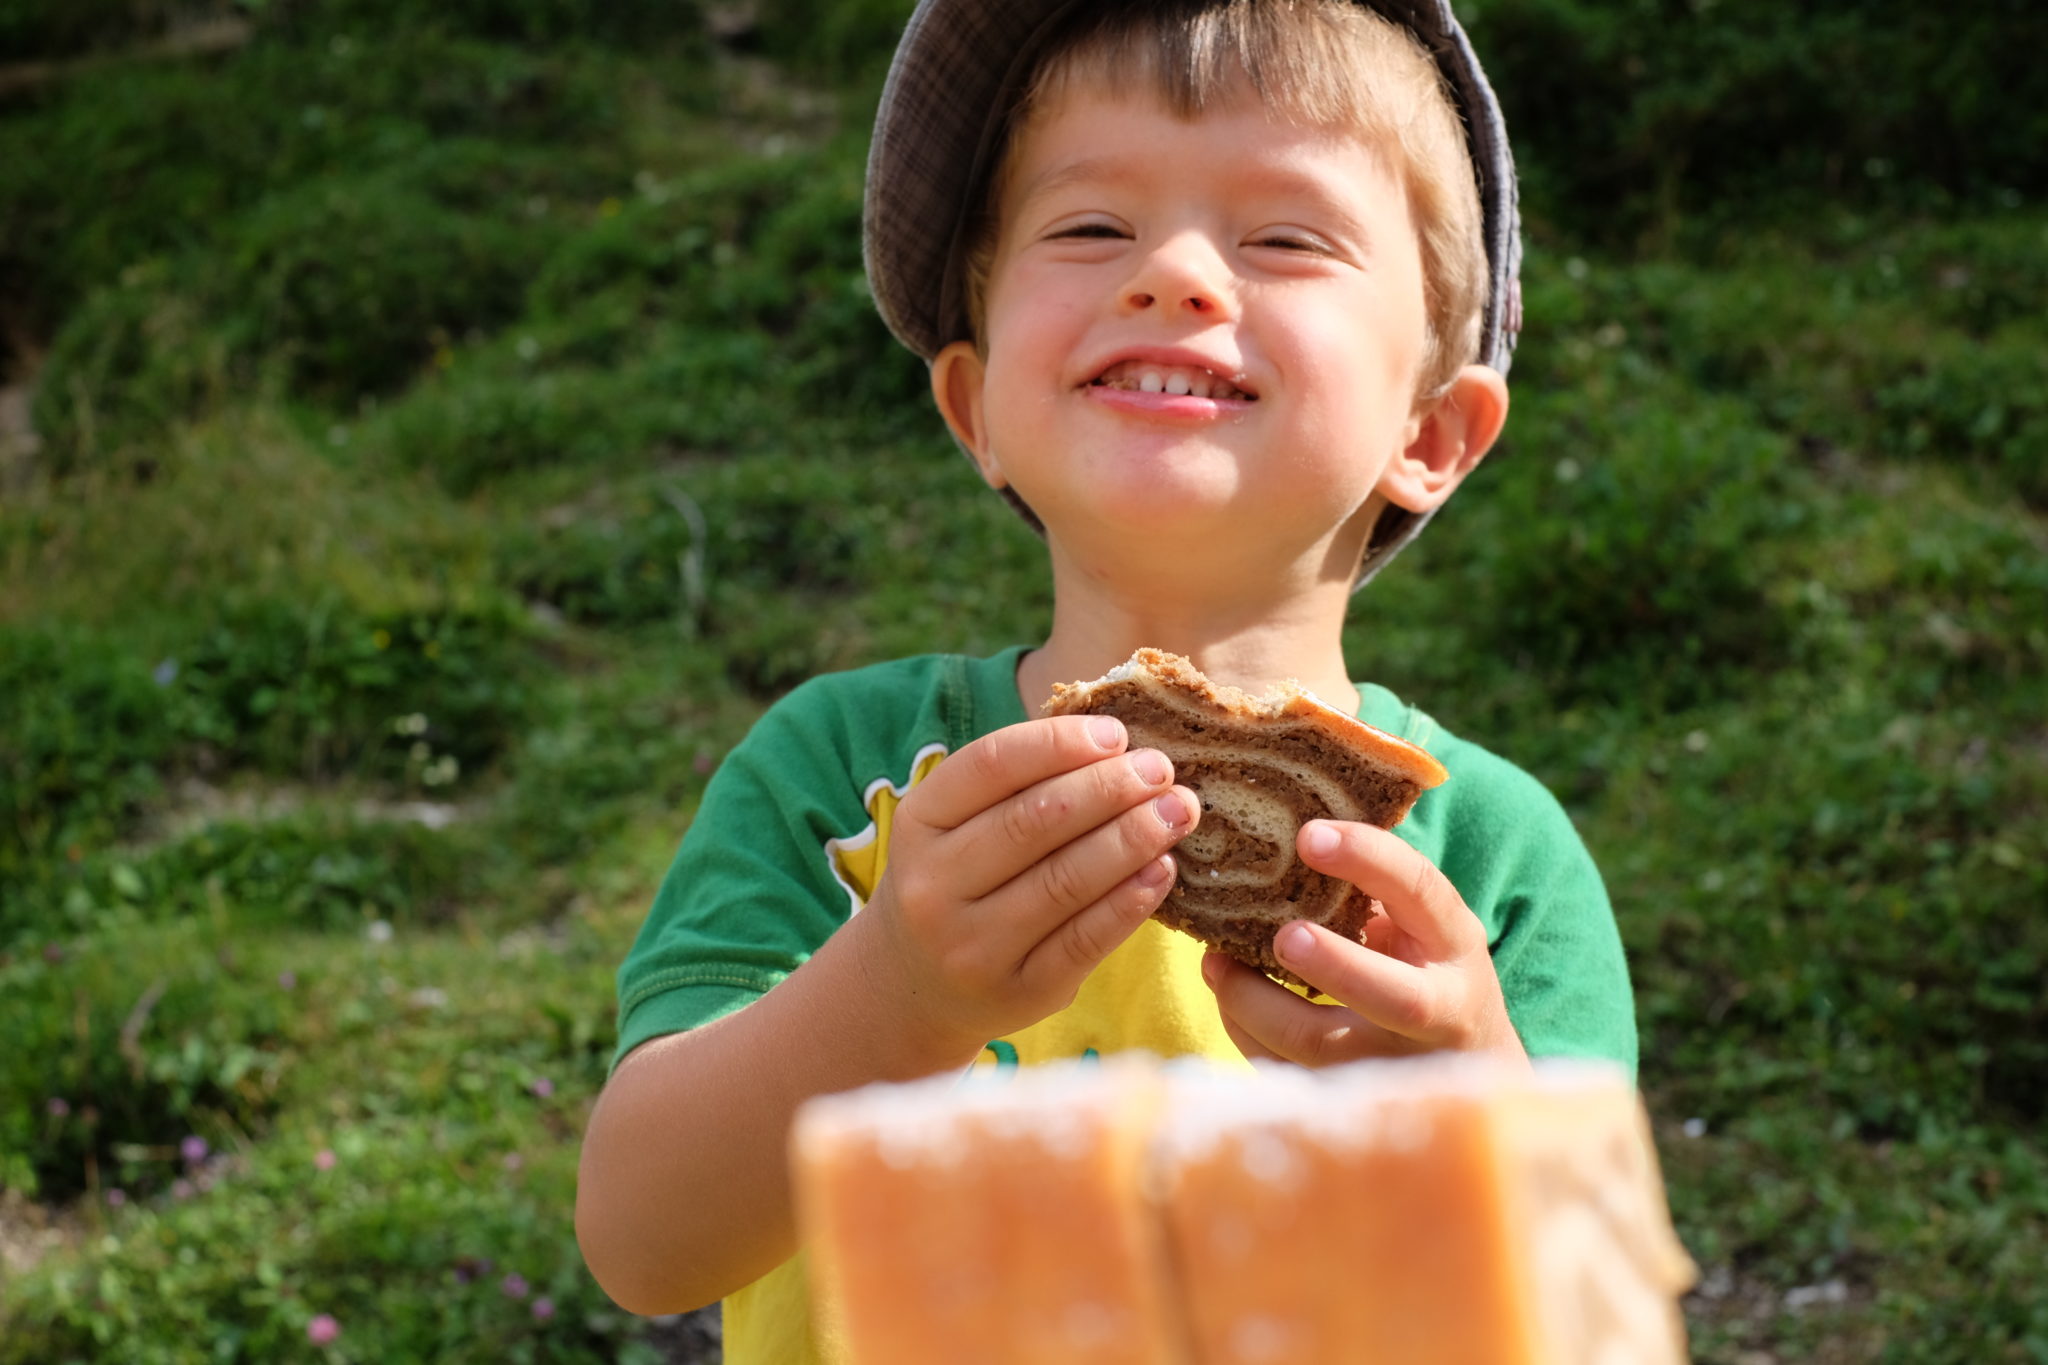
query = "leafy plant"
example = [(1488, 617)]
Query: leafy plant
[(84, 738), (122, 1051), (319, 689)]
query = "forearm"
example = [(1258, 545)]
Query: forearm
[(684, 1191)]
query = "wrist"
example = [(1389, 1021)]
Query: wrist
[(912, 1034)]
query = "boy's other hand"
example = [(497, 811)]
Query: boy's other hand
[(1423, 981), (1020, 863)]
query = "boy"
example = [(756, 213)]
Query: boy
[(1204, 285)]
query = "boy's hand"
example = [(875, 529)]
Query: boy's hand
[(1014, 868), (1423, 981)]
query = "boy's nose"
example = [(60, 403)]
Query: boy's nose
[(1194, 303), (1185, 277)]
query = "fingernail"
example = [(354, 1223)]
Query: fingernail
[(1106, 731), (1318, 841), (1212, 967), (1294, 943), (1172, 809), (1156, 874), (1151, 767)]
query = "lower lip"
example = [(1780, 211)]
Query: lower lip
[(1184, 407)]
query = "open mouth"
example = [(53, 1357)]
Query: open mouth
[(1146, 376)]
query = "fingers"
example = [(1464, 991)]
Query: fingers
[(1022, 861), (1249, 1047), (1417, 897), (1047, 905), (1005, 762), (1082, 940), (1027, 832), (1266, 1020), (1395, 996)]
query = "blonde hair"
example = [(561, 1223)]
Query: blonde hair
[(1319, 63)]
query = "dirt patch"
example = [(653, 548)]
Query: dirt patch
[(196, 803), (1749, 1315), (28, 1233), (18, 440)]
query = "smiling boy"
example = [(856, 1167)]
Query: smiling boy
[(1206, 287)]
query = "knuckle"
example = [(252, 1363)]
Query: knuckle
[(1016, 823), (1059, 881), (1422, 881), (1086, 942), (910, 887), (1304, 1039), (960, 963), (1415, 1014), (1027, 818), (988, 757)]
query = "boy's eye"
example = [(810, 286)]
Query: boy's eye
[(1104, 231), (1293, 241)]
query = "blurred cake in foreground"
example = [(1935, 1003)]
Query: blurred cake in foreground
[(1426, 1212)]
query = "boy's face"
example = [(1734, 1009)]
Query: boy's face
[(1209, 328)]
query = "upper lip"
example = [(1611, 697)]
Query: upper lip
[(1167, 357)]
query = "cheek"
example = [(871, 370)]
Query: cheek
[(1367, 380), (1036, 316)]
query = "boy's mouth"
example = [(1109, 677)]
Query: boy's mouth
[(1149, 376)]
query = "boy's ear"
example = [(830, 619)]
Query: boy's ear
[(957, 375), (1451, 437)]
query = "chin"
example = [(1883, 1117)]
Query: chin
[(1146, 507)]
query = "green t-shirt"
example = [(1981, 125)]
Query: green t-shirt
[(793, 834)]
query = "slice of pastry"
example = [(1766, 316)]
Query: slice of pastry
[(1262, 767), (1443, 1211), (1433, 1211), (997, 1220)]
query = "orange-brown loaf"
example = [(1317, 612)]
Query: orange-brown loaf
[(1262, 767), (1423, 1212), (990, 1222), (1433, 1212)]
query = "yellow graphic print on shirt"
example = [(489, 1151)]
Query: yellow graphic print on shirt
[(857, 862), (1146, 995)]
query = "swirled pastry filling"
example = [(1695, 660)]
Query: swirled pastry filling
[(1262, 767)]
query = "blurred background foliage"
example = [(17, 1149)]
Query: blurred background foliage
[(431, 434)]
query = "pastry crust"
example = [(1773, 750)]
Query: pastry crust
[(1262, 766)]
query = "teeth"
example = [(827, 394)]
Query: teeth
[(1178, 381)]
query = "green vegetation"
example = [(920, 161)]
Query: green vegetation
[(456, 422)]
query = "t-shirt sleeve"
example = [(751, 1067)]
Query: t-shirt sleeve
[(1520, 864), (750, 895)]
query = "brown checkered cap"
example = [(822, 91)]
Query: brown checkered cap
[(960, 66)]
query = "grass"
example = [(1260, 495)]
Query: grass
[(443, 463)]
